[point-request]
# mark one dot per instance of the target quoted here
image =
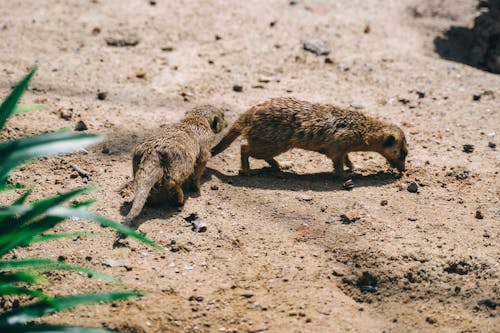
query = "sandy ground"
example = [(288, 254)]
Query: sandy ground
[(276, 256)]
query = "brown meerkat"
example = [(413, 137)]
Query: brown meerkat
[(180, 153), (280, 124)]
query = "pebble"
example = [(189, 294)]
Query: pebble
[(121, 41), (198, 223), (412, 187), (476, 97), (140, 74), (350, 216), (101, 95), (115, 263), (488, 303), (357, 106), (384, 202), (294, 2), (316, 46), (214, 187), (81, 126), (479, 215), (237, 88), (348, 185), (431, 320), (468, 148), (491, 144), (66, 114), (305, 198)]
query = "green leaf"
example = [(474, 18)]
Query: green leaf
[(105, 222), (27, 313), (16, 152), (9, 104), (13, 290), (44, 328), (27, 108), (47, 237), (22, 198), (21, 277), (45, 265)]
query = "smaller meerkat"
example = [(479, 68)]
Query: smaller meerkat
[(280, 124), (179, 154)]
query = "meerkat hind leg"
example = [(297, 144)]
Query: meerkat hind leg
[(348, 162)]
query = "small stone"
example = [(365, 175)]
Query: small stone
[(357, 106), (273, 23), (66, 114), (468, 148), (420, 94), (476, 97), (330, 61), (237, 88), (488, 303), (350, 216), (412, 187), (140, 74), (167, 48), (119, 41), (316, 46), (96, 31), (293, 2), (479, 215), (431, 320), (384, 202), (197, 222), (217, 37), (101, 95), (214, 187), (348, 185), (105, 150), (491, 144), (152, 3), (81, 126), (367, 29), (305, 197), (115, 263)]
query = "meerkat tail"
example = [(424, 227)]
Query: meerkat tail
[(230, 136), (145, 179)]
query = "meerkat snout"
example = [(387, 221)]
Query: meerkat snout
[(395, 149)]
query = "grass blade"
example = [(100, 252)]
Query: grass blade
[(16, 152), (27, 108), (27, 313), (105, 222), (45, 265), (21, 277), (22, 198), (43, 328), (13, 290), (9, 104)]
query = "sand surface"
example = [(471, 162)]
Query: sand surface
[(276, 256)]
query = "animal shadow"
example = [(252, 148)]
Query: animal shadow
[(267, 178)]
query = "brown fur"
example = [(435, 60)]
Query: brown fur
[(165, 161), (280, 124)]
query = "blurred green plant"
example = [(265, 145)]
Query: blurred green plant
[(22, 224)]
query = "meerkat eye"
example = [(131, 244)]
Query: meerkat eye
[(216, 123), (389, 141)]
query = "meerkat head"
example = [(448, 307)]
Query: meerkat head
[(214, 116), (394, 147)]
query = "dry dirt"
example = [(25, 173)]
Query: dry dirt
[(276, 257)]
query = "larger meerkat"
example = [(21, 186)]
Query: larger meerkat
[(180, 153), (280, 124)]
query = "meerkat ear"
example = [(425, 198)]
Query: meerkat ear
[(389, 141), (216, 124)]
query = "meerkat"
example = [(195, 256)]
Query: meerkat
[(179, 154), (280, 124)]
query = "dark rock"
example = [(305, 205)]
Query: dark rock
[(197, 222), (491, 144), (101, 95), (348, 185), (214, 187), (384, 202), (468, 148), (488, 303), (119, 41), (476, 97), (479, 215), (81, 126), (412, 187), (431, 320), (367, 282), (237, 88), (350, 216)]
